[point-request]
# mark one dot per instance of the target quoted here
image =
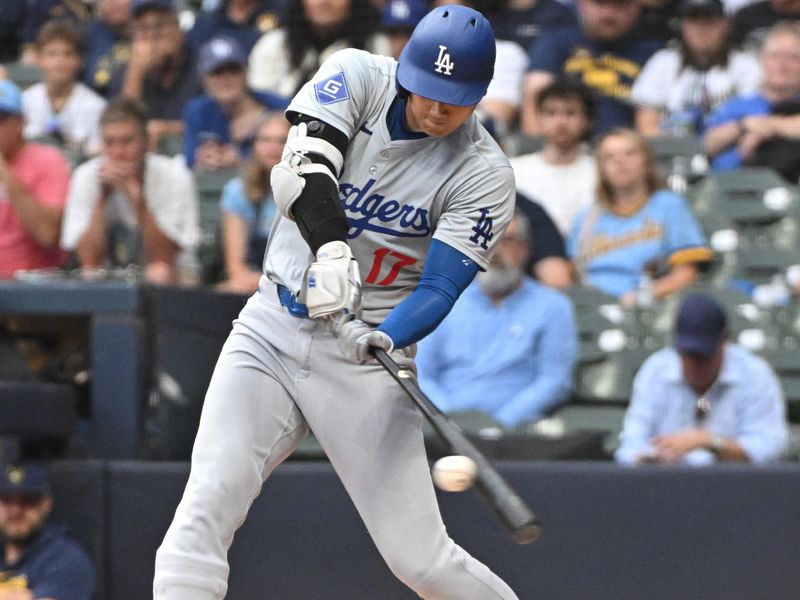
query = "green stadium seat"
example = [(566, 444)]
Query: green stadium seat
[(611, 380), (516, 144), (679, 155), (24, 75), (579, 417), (171, 145), (747, 196), (209, 253)]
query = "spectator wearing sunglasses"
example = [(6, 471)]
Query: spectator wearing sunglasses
[(704, 399)]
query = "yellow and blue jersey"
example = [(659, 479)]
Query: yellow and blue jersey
[(614, 249)]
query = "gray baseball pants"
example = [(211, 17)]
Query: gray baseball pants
[(277, 376)]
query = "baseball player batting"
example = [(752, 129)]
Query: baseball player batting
[(391, 196)]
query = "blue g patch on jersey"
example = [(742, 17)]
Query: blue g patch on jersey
[(331, 90)]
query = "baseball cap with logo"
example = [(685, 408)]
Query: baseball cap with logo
[(696, 8), (140, 6), (219, 52), (403, 14), (10, 98), (700, 326), (26, 479)]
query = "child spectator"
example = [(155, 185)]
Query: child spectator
[(60, 107), (41, 12)]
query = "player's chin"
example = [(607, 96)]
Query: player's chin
[(439, 129)]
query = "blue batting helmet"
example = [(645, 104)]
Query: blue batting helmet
[(450, 56)]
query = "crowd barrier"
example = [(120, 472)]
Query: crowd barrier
[(610, 532)]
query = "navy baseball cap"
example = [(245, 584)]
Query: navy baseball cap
[(140, 6), (10, 98), (403, 14), (219, 52), (26, 479), (700, 326), (692, 8)]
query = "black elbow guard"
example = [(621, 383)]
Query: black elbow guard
[(318, 212)]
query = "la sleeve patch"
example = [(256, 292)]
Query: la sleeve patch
[(333, 89)]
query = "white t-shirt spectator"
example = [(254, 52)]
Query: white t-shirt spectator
[(78, 120), (510, 65), (271, 71), (169, 191), (666, 85), (562, 190)]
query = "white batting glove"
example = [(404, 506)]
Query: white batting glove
[(355, 338), (332, 283)]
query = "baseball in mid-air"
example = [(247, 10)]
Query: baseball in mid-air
[(454, 473)]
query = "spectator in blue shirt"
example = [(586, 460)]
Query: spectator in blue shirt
[(602, 51), (745, 126), (39, 560), (705, 399), (508, 346), (242, 20), (219, 126), (248, 208)]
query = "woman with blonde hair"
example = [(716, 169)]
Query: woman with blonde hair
[(248, 208), (636, 230)]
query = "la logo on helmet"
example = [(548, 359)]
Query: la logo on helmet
[(443, 63)]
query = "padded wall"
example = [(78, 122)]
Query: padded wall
[(609, 532)]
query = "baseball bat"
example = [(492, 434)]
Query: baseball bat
[(493, 489)]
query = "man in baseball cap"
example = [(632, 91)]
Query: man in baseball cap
[(139, 7), (399, 19), (704, 399), (37, 555), (161, 72), (219, 53), (696, 8), (701, 326)]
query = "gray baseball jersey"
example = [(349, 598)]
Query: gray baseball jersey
[(280, 376), (397, 195)]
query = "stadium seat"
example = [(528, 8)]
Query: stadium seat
[(24, 75), (679, 156), (516, 144), (209, 253), (751, 195), (786, 363), (611, 380), (581, 417), (171, 145)]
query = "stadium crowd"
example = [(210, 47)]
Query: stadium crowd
[(141, 133)]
